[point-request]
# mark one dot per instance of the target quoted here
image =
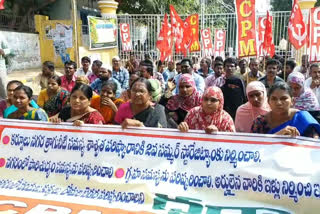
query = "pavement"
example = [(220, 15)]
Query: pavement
[(28, 75)]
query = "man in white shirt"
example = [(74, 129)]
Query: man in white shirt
[(85, 69), (313, 82)]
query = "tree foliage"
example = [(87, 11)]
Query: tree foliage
[(26, 10), (181, 6)]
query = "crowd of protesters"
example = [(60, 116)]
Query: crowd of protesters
[(268, 96)]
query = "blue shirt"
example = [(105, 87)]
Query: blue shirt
[(169, 74), (198, 80), (122, 76), (97, 84)]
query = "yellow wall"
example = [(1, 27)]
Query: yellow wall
[(47, 50), (307, 4)]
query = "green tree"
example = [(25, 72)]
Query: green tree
[(181, 6), (26, 10)]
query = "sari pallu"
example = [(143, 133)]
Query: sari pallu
[(153, 116), (56, 103), (303, 121), (35, 114), (91, 117)]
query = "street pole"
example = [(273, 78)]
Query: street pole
[(202, 8), (74, 20)]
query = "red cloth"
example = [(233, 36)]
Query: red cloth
[(2, 4), (93, 118), (185, 103), (199, 120), (177, 25), (124, 112), (164, 43), (267, 44), (297, 37)]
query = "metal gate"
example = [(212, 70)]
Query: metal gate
[(145, 29)]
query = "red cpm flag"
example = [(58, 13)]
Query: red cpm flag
[(190, 39), (2, 4), (296, 29), (164, 43), (267, 44), (177, 26)]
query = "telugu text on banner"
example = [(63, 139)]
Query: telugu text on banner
[(104, 169)]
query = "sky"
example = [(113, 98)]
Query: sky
[(262, 6)]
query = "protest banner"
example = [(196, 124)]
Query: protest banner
[(207, 42), (125, 37), (102, 32), (104, 169), (246, 20), (219, 43), (314, 41)]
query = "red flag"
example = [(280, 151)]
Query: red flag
[(125, 37), (164, 43), (2, 4), (192, 30), (314, 40), (207, 42), (267, 44), (308, 26), (296, 29), (177, 28), (246, 19), (219, 43)]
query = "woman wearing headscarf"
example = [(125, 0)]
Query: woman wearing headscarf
[(234, 95), (156, 90), (210, 116), (283, 119), (179, 105), (257, 105), (303, 98)]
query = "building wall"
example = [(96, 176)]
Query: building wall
[(56, 42), (25, 50)]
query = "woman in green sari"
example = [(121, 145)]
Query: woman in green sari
[(22, 99)]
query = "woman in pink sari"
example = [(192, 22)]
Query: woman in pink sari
[(257, 105)]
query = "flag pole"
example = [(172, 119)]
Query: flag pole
[(285, 63)]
